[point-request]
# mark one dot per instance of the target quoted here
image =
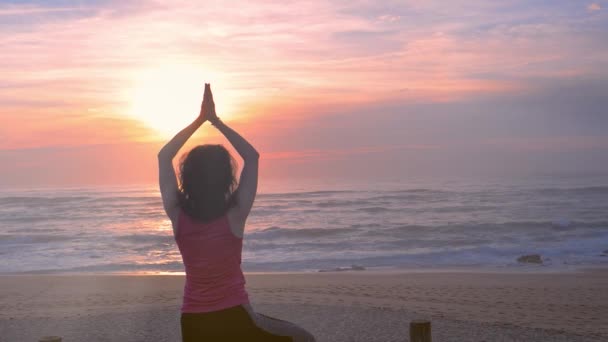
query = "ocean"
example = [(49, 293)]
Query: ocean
[(374, 226)]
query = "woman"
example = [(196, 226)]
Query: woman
[(208, 212)]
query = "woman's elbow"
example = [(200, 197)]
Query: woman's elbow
[(254, 156), (164, 155)]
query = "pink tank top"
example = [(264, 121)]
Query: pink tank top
[(212, 258)]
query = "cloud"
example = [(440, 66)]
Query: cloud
[(594, 7), (19, 10), (389, 18), (313, 64), (316, 155)]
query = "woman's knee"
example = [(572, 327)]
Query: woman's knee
[(303, 336)]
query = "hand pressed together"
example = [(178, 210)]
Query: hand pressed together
[(208, 106)]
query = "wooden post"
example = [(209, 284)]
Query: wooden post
[(420, 331), (50, 339)]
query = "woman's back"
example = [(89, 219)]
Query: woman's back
[(212, 258), (216, 306)]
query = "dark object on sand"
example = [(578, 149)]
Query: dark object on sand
[(50, 339), (530, 259), (420, 331)]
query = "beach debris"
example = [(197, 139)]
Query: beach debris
[(530, 259), (561, 223), (340, 269), (420, 331), (50, 339)]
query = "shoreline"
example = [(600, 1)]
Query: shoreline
[(508, 269)]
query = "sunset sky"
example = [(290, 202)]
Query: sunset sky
[(90, 90)]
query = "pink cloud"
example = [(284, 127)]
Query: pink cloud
[(290, 48), (389, 18), (16, 10), (289, 60), (333, 154)]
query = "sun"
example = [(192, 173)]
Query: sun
[(168, 98)]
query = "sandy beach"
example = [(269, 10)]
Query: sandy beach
[(341, 306)]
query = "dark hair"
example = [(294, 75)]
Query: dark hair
[(207, 182)]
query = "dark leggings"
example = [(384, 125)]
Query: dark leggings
[(232, 324)]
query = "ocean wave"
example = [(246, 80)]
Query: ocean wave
[(341, 203), (146, 238), (374, 210), (137, 199), (26, 219), (587, 190), (41, 201), (273, 206), (280, 233), (417, 225), (418, 191), (463, 208), (523, 228), (57, 201), (400, 198), (174, 266), (25, 239), (291, 246), (35, 230), (413, 195), (473, 228), (305, 194)]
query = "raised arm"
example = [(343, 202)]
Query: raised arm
[(248, 181), (166, 173)]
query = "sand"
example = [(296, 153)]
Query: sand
[(341, 306)]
